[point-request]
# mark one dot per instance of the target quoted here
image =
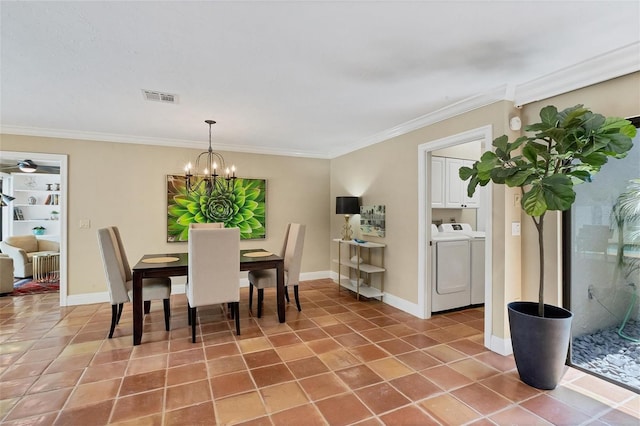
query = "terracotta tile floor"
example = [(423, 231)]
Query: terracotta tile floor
[(340, 361)]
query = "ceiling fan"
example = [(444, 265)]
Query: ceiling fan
[(28, 166)]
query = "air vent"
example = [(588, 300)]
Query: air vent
[(152, 95)]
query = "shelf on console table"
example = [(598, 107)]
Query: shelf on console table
[(366, 266)]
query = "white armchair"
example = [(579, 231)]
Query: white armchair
[(22, 248)]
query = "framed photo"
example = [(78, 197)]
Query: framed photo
[(241, 205), (372, 220)]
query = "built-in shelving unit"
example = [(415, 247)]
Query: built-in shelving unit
[(365, 276), (37, 199)]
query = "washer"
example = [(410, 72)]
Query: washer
[(477, 257), (451, 270)]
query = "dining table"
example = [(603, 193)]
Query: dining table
[(177, 264)]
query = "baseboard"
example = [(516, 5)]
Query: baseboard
[(500, 345), (88, 298), (177, 287)]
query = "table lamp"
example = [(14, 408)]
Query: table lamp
[(347, 206)]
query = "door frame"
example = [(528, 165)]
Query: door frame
[(62, 160), (485, 135)]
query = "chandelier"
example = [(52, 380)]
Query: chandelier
[(205, 178)]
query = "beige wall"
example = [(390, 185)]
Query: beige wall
[(618, 97), (125, 185)]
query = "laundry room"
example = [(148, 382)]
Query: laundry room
[(457, 231)]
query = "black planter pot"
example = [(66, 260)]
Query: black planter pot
[(539, 344)]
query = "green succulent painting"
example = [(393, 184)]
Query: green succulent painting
[(240, 206)]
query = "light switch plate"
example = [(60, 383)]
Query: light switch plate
[(515, 228)]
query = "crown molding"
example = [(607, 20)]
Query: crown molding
[(469, 104), (143, 140), (616, 63)]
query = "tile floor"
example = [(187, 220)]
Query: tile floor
[(339, 362)]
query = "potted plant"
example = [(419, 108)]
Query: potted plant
[(565, 148), (38, 230), (55, 215)]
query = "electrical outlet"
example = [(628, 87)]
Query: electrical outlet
[(515, 228), (85, 224)]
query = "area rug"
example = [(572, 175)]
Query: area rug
[(28, 286)]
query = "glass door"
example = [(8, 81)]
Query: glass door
[(602, 271)]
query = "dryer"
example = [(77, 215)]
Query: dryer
[(451, 270)]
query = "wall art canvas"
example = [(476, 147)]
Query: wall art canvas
[(372, 220), (242, 205)]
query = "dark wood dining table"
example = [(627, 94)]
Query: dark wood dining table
[(177, 264)]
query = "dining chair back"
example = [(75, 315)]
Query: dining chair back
[(215, 225), (214, 271), (293, 244), (120, 278)]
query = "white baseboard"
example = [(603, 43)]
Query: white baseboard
[(177, 287), (500, 345), (88, 298)]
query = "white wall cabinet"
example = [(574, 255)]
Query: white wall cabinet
[(438, 182), (37, 198), (450, 191), (364, 271)]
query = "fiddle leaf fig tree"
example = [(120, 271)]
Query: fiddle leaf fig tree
[(565, 148)]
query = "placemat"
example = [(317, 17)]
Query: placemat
[(161, 259), (258, 254)]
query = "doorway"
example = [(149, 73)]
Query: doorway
[(50, 160), (484, 135)]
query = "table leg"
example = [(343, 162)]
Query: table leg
[(138, 318), (280, 291)]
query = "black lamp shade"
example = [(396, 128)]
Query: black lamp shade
[(347, 205)]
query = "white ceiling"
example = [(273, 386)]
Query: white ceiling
[(309, 78)]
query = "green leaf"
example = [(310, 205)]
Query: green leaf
[(581, 175), (533, 202), (530, 153), (558, 192), (185, 219), (549, 115), (465, 172), (501, 142), (176, 211), (519, 178)]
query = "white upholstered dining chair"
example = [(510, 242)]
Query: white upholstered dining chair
[(120, 278), (210, 225), (292, 253), (214, 271)]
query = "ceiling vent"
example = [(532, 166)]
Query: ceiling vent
[(152, 95)]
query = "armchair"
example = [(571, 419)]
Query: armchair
[(22, 248)]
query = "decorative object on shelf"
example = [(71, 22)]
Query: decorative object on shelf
[(372, 221), (38, 230), (17, 214), (27, 166), (55, 215), (243, 206), (5, 200), (57, 187), (347, 206), (31, 200), (31, 183), (208, 180), (356, 259), (49, 186)]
